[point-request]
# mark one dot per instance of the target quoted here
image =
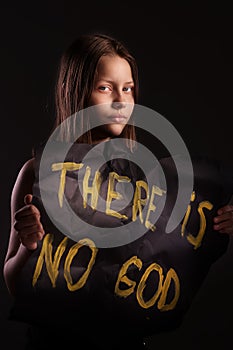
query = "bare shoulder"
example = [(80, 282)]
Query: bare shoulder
[(27, 168), (26, 174), (23, 184)]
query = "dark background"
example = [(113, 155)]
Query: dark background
[(184, 53)]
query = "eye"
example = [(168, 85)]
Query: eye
[(104, 88), (128, 89)]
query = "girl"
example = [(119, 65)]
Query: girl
[(95, 70)]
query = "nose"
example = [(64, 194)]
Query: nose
[(118, 105), (118, 101)]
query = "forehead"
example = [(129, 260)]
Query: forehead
[(113, 65)]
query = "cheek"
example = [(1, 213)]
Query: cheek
[(99, 113), (102, 110), (97, 99)]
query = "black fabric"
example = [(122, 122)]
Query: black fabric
[(96, 305), (66, 338)]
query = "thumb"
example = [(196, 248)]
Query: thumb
[(28, 199)]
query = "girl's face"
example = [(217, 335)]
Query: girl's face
[(113, 96)]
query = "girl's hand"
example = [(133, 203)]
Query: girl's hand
[(224, 221), (28, 225)]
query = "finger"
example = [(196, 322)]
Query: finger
[(228, 231), (30, 241), (28, 199), (228, 216), (30, 220), (26, 230), (31, 246), (225, 209), (225, 225), (26, 211)]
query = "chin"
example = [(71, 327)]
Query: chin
[(115, 130)]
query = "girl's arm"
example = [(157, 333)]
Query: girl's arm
[(26, 228)]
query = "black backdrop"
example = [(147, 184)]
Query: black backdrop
[(184, 53)]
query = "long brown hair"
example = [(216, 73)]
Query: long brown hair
[(76, 73)]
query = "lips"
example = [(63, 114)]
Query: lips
[(121, 119)]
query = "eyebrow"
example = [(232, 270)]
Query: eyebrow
[(112, 82)]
